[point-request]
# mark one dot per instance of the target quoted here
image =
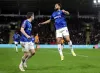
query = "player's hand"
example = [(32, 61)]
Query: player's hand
[(28, 37), (63, 11), (39, 24), (66, 12)]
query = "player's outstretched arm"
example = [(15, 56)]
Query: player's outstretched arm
[(46, 22), (22, 30), (65, 12)]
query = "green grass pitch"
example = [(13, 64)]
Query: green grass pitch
[(48, 61)]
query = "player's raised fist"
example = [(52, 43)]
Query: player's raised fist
[(39, 24), (66, 12), (63, 10)]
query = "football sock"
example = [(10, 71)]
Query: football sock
[(60, 50)]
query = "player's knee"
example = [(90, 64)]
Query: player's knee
[(33, 52), (58, 41), (68, 39), (26, 54)]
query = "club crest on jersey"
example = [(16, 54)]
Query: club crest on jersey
[(29, 29), (58, 12)]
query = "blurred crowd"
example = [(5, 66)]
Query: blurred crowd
[(47, 32), (4, 34)]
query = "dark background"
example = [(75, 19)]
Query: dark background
[(46, 6)]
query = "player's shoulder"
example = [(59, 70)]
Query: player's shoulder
[(54, 12), (25, 21)]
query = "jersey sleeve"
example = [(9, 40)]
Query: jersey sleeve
[(14, 37), (24, 24), (63, 13), (18, 36)]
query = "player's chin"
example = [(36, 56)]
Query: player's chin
[(55, 9)]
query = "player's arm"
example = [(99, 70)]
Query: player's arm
[(46, 22), (65, 12), (22, 30)]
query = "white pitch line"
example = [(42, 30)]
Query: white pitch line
[(70, 53)]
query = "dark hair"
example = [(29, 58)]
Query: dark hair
[(59, 4), (29, 14)]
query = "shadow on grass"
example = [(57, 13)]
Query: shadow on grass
[(64, 67), (48, 68)]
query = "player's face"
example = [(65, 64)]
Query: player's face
[(57, 7), (37, 34), (32, 17)]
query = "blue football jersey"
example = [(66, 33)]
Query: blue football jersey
[(27, 28), (16, 37), (59, 18)]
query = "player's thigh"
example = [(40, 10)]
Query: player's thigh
[(66, 34), (26, 47), (22, 44), (58, 39), (59, 34), (67, 38), (26, 54), (31, 48)]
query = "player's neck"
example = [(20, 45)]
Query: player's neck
[(29, 20), (58, 10)]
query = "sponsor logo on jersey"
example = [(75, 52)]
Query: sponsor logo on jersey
[(57, 17)]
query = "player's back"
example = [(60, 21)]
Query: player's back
[(27, 28), (16, 37)]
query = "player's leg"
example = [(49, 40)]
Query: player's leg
[(16, 48), (62, 44), (31, 53), (22, 61), (37, 46), (59, 38), (67, 37), (22, 48), (16, 44), (60, 48), (26, 53), (70, 44), (22, 45)]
